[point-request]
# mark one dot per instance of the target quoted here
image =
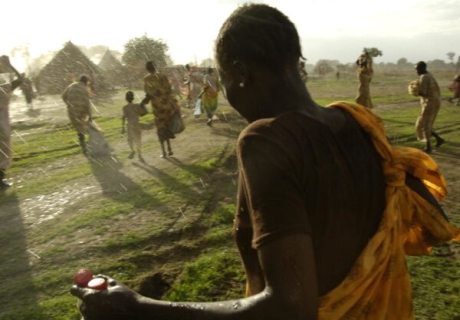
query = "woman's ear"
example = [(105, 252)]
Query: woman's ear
[(241, 71)]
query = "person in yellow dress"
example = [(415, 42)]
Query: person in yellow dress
[(365, 72), (210, 95), (327, 209), (158, 92)]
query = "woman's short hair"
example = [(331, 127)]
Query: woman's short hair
[(258, 33)]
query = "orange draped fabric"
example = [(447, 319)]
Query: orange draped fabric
[(378, 286)]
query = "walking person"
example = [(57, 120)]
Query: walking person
[(5, 129), (455, 88), (309, 178), (28, 91), (76, 98), (131, 114), (430, 103), (210, 95), (193, 83), (158, 92), (365, 72)]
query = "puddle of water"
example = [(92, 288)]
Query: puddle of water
[(42, 208)]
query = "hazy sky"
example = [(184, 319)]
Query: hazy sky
[(329, 29)]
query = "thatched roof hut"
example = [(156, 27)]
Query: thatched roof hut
[(113, 71), (65, 68)]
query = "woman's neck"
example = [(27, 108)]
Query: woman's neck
[(293, 96)]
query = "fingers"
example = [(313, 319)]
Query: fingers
[(111, 282), (81, 293), (77, 291)]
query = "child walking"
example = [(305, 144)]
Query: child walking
[(131, 114)]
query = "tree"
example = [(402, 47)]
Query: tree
[(322, 68), (22, 52), (437, 64), (140, 50), (207, 63), (402, 62), (39, 62), (374, 52)]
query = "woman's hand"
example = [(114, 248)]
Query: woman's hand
[(116, 302)]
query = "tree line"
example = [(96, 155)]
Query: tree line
[(138, 50)]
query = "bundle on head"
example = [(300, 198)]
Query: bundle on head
[(413, 87)]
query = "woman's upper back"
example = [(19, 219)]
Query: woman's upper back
[(303, 175)]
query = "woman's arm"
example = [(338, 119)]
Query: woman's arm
[(19, 79), (291, 293)]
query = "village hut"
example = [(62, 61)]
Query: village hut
[(113, 71), (66, 67)]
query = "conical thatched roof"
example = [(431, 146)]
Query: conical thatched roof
[(112, 69), (109, 62), (66, 67)]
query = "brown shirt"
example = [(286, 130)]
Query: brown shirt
[(297, 176), (430, 94), (76, 97)]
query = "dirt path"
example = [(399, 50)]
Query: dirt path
[(123, 173)]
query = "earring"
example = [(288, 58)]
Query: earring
[(241, 84)]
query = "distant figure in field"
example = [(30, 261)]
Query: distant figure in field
[(158, 92), (211, 89), (455, 88), (303, 71), (430, 102), (131, 114), (76, 98), (5, 130), (337, 75), (193, 83), (365, 73), (28, 91)]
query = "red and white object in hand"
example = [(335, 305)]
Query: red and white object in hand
[(84, 279)]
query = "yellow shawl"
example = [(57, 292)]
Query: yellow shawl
[(378, 285)]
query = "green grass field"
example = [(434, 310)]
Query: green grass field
[(168, 223)]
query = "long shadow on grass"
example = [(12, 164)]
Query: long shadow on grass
[(438, 127), (114, 183), (396, 137), (450, 148), (17, 290), (230, 129), (208, 203), (171, 182)]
